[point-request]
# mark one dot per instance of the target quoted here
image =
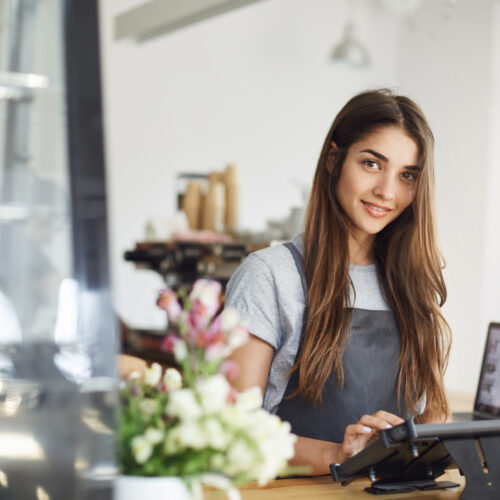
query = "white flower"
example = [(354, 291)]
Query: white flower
[(263, 443), (134, 375), (216, 351), (249, 400), (217, 461), (141, 448), (230, 319), (196, 489), (180, 350), (217, 437), (152, 375), (182, 403), (237, 337), (172, 379), (236, 418), (241, 457), (275, 443), (153, 436), (148, 406), (172, 442), (191, 434), (221, 482), (213, 393)]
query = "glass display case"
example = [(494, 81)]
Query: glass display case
[(57, 343)]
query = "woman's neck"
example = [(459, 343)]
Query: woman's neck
[(361, 250)]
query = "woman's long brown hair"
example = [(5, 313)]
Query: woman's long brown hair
[(408, 261)]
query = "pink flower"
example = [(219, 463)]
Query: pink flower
[(232, 395), (207, 292), (169, 343), (199, 315), (229, 369), (175, 345), (207, 338), (215, 351), (204, 339), (215, 326), (168, 302)]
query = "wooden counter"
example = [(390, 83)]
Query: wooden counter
[(323, 487)]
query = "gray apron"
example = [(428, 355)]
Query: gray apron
[(371, 367)]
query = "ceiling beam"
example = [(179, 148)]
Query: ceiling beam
[(157, 17)]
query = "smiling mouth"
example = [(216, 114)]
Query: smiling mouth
[(376, 210)]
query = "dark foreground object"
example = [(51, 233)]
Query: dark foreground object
[(410, 457)]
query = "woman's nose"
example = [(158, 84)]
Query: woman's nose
[(385, 187)]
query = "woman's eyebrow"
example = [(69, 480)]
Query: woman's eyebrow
[(380, 156)]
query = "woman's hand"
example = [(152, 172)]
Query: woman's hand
[(357, 436), (128, 364)]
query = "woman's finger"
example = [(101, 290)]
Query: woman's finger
[(356, 430), (389, 417), (376, 423)]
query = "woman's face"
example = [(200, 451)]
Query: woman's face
[(378, 180)]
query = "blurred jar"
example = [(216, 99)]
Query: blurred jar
[(182, 181)]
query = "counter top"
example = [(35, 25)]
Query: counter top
[(323, 487)]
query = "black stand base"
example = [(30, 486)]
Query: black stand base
[(405, 487), (412, 457), (482, 473)]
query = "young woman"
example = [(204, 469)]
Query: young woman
[(347, 333)]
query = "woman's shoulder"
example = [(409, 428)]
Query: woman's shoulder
[(266, 290), (276, 258), (269, 268)]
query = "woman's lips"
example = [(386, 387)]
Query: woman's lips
[(376, 210)]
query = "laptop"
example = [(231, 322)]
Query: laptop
[(487, 402)]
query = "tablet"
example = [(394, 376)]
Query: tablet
[(412, 456)]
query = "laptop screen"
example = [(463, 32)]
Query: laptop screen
[(488, 395)]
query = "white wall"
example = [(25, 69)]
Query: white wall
[(492, 241), (255, 87), (449, 72)]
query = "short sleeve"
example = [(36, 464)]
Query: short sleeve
[(252, 292)]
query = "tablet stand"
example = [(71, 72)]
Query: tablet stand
[(410, 457), (482, 475)]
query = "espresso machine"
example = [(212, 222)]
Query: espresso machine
[(58, 386)]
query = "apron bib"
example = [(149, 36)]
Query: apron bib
[(371, 367)]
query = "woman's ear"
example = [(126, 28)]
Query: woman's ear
[(332, 151), (333, 148)]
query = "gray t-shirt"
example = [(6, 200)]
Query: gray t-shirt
[(267, 292)]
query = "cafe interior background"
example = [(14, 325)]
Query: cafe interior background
[(258, 87)]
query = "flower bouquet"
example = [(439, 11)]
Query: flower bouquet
[(195, 426)]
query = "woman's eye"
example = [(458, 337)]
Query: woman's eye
[(409, 176), (371, 164)]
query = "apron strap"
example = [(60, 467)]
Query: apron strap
[(299, 263)]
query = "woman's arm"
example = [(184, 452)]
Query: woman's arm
[(128, 364), (318, 455), (254, 361)]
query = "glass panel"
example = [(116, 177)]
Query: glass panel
[(57, 377), (35, 254)]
